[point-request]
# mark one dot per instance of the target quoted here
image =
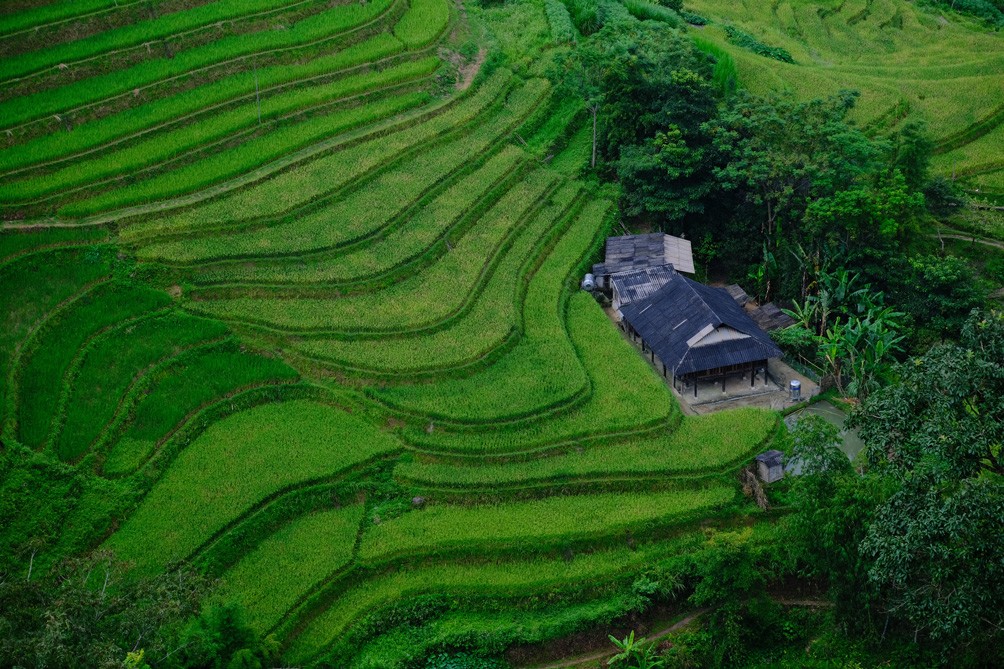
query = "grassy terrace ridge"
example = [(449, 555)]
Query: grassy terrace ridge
[(139, 35), (301, 554), (541, 371), (498, 578), (55, 349), (232, 465), (627, 398), (245, 157), (179, 390), (292, 192), (422, 236), (428, 300), (325, 26), (366, 211), (38, 17), (905, 59), (210, 130), (699, 444), (188, 106), (441, 529), (495, 320), (119, 361)]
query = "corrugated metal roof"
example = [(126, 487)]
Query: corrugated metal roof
[(630, 253), (675, 318), (638, 285)]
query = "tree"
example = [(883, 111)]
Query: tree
[(834, 508), (936, 545)]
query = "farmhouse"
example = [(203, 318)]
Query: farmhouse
[(697, 333), (631, 253)]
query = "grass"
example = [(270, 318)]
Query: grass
[(626, 396), (324, 25), (541, 371), (419, 234), (208, 130), (56, 348), (310, 181), (363, 212), (912, 60), (131, 124), (15, 243), (114, 364), (247, 156), (533, 526), (133, 35), (185, 386), (699, 444), (495, 317), (424, 21), (235, 465), (499, 578), (416, 302), (399, 647), (33, 287), (11, 22), (269, 579)]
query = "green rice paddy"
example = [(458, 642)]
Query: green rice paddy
[(274, 286)]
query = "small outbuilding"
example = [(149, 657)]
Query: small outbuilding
[(631, 253), (770, 466)]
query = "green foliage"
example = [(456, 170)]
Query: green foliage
[(562, 29), (532, 525), (235, 463), (747, 41), (134, 35), (211, 129), (643, 10), (321, 26), (424, 21), (87, 613), (247, 156), (462, 660)]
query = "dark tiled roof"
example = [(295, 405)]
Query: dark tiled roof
[(629, 253), (682, 312), (639, 285)]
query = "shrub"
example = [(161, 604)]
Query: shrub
[(562, 29), (747, 41)]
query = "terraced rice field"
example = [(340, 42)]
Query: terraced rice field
[(904, 59), (268, 269)]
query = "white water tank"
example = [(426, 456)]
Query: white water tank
[(589, 282), (795, 386)]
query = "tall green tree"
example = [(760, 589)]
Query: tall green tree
[(936, 545)]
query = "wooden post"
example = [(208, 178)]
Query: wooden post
[(695, 388)]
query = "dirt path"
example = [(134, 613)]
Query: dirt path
[(606, 654), (469, 71), (969, 238)]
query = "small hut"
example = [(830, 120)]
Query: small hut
[(770, 466)]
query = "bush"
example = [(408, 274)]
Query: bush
[(747, 41), (562, 29)]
